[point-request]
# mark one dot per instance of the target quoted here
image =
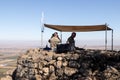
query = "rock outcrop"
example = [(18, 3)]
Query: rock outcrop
[(38, 64)]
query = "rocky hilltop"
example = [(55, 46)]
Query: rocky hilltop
[(38, 64)]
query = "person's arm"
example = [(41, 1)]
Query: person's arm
[(59, 38), (68, 40)]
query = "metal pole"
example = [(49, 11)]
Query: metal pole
[(42, 28), (106, 39), (112, 41), (41, 39), (61, 36)]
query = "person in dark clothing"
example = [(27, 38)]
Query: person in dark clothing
[(71, 41)]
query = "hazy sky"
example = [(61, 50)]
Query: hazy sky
[(20, 19)]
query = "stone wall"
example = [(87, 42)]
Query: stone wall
[(38, 64)]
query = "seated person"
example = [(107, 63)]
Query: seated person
[(54, 40), (71, 41)]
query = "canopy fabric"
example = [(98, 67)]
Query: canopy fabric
[(66, 28)]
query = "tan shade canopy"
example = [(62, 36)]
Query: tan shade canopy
[(66, 28)]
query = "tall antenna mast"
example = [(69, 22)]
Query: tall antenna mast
[(42, 28)]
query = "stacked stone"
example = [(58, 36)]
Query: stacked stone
[(6, 78), (38, 64), (8, 75)]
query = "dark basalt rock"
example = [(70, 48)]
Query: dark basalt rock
[(38, 64)]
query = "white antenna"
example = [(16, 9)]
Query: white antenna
[(42, 28), (42, 22)]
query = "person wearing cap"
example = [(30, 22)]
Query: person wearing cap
[(71, 41), (54, 40)]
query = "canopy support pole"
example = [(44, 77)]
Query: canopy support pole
[(112, 41), (106, 39), (61, 36)]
